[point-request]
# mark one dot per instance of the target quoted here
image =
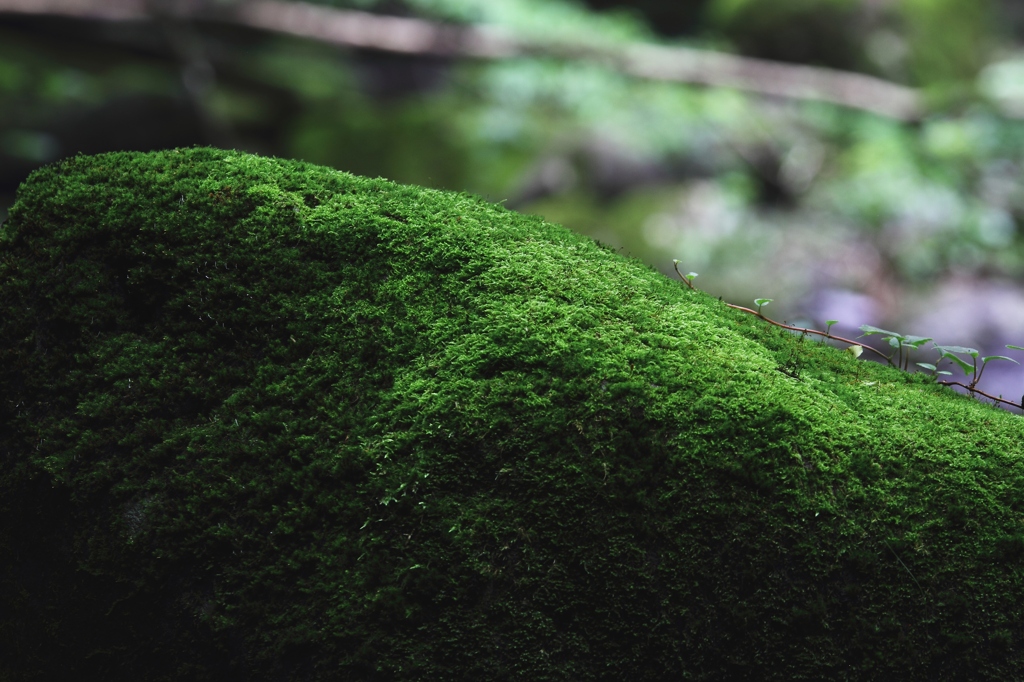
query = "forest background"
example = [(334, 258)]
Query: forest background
[(856, 160)]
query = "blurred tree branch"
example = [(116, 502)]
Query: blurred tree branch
[(351, 28)]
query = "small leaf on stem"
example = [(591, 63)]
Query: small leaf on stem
[(869, 330), (915, 341), (958, 349), (997, 357), (968, 369)]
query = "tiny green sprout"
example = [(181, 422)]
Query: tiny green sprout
[(828, 326), (688, 278), (898, 342), (915, 342), (762, 301), (985, 361), (1011, 347), (948, 352), (894, 339)]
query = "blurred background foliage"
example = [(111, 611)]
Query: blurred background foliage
[(833, 212)]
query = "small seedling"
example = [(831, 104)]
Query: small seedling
[(897, 341), (688, 277), (951, 351), (761, 302)]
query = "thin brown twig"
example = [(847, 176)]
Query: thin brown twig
[(802, 330), (972, 388)]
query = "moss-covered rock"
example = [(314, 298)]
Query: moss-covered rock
[(265, 420)]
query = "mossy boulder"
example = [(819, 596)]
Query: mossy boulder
[(263, 420)]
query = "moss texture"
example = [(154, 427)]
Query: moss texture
[(265, 420)]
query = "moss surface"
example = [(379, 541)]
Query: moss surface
[(265, 420)]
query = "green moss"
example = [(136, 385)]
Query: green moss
[(266, 420)]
